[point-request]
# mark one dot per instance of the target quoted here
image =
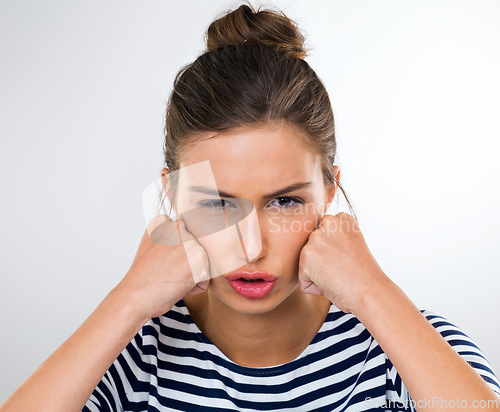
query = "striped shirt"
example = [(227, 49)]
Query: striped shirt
[(170, 365)]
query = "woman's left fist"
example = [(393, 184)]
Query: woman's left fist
[(337, 263)]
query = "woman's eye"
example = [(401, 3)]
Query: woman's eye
[(286, 202), (216, 204)]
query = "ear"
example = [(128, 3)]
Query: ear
[(165, 183), (332, 190)]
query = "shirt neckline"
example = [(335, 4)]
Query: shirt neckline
[(261, 370)]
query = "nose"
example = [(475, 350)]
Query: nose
[(252, 242)]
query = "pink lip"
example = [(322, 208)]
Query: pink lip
[(251, 275), (252, 289)]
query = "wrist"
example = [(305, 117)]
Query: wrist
[(375, 289), (128, 302), (144, 301)]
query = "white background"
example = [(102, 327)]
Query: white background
[(415, 88)]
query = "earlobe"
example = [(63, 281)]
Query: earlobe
[(331, 195), (336, 173), (332, 190), (164, 173)]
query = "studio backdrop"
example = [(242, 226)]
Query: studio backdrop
[(415, 89)]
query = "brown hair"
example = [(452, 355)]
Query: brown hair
[(253, 73)]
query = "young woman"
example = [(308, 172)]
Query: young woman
[(323, 329)]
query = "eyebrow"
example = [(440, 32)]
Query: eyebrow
[(291, 188)]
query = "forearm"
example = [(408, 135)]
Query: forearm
[(428, 365), (65, 380)]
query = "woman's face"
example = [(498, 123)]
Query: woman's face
[(251, 164)]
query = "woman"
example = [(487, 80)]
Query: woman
[(324, 329)]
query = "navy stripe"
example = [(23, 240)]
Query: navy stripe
[(459, 342), (467, 353)]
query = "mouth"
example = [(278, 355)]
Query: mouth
[(254, 285), (252, 276)]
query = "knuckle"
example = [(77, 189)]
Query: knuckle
[(307, 252)]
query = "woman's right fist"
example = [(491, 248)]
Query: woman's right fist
[(169, 264)]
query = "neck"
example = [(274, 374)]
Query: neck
[(259, 340)]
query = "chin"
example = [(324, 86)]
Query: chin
[(248, 306)]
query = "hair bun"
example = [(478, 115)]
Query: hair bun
[(245, 26)]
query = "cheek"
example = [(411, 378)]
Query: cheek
[(297, 223), (290, 234)]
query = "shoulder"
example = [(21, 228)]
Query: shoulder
[(352, 330)]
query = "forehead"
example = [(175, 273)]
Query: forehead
[(269, 154)]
